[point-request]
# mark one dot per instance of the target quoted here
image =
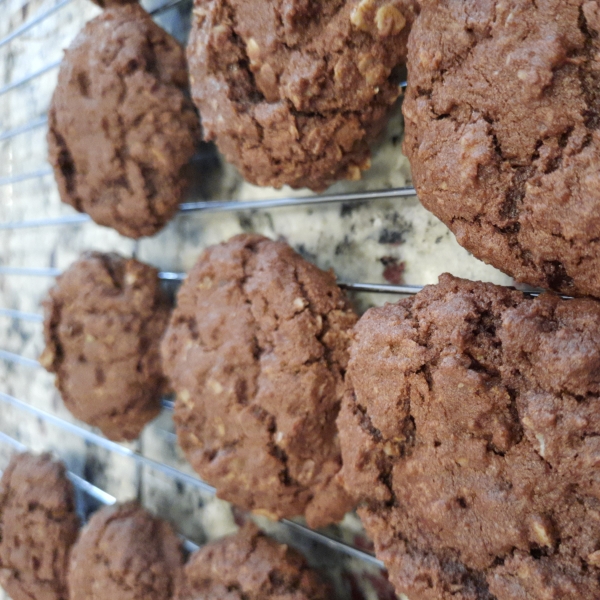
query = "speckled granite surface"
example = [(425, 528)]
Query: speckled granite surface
[(378, 241)]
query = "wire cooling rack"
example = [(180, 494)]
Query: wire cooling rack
[(98, 495), (187, 209)]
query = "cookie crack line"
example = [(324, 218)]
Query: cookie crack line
[(121, 180), (592, 95), (276, 451), (122, 155), (256, 94)]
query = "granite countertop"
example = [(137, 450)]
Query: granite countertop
[(393, 241)]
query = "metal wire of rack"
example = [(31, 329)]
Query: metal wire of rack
[(213, 205)]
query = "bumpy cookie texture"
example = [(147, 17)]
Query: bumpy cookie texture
[(256, 351), (294, 91), (103, 324), (250, 566), (470, 429), (125, 553), (121, 127), (38, 526), (502, 131)]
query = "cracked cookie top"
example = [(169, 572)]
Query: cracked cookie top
[(125, 553), (256, 350), (250, 566), (502, 132), (103, 323), (470, 430), (294, 91), (38, 526), (121, 127)]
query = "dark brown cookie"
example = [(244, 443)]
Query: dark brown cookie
[(104, 321), (256, 351), (295, 91), (250, 566), (502, 119), (38, 526), (125, 553), (470, 429), (122, 129)]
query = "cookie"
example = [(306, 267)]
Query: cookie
[(38, 526), (294, 92), (256, 351), (125, 553), (502, 132), (121, 127), (470, 432), (103, 323), (250, 566)]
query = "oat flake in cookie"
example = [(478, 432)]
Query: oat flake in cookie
[(256, 350), (294, 91), (121, 128), (125, 553), (38, 526), (470, 430), (250, 566), (502, 131), (103, 323)]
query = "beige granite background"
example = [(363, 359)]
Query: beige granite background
[(357, 240)]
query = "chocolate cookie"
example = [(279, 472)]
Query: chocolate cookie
[(250, 566), (121, 127), (502, 131), (295, 91), (256, 350), (38, 526), (125, 553), (104, 321), (470, 429)]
